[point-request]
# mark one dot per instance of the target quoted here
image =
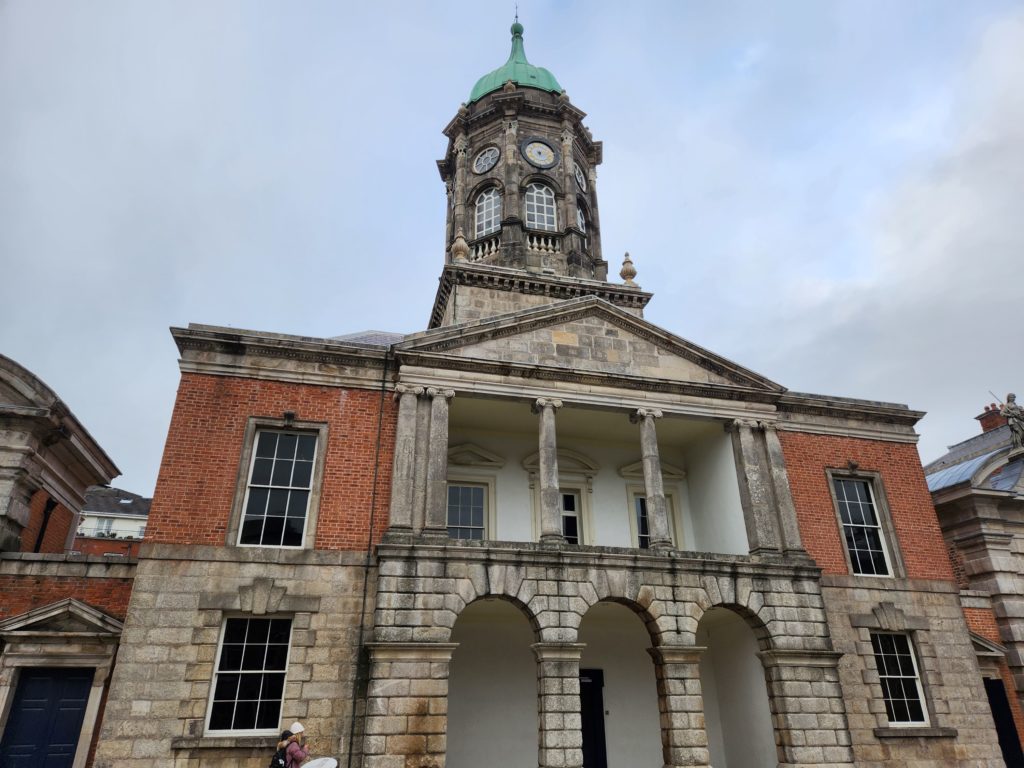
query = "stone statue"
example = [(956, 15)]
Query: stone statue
[(1015, 418)]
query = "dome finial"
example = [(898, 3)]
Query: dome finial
[(628, 271)]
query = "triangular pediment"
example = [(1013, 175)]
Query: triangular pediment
[(585, 335), (470, 455), (984, 647), (68, 616)]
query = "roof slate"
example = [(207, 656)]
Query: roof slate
[(101, 500)]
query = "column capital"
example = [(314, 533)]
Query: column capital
[(546, 402), (645, 413), (447, 394), (407, 389), (558, 651), (738, 424)]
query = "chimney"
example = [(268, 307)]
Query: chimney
[(990, 418)]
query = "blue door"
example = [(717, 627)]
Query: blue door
[(46, 718)]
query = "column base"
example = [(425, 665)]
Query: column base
[(549, 539), (435, 534)]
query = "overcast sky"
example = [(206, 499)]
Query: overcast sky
[(829, 193)]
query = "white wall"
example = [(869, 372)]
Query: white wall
[(492, 693), (617, 643), (737, 713), (715, 506)]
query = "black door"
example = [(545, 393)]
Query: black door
[(46, 718), (1009, 742), (592, 710)]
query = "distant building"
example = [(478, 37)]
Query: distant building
[(113, 522), (977, 487)]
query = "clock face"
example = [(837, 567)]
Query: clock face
[(539, 154), (486, 160), (581, 178)]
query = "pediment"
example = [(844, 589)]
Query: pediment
[(585, 335), (984, 647), (635, 471), (470, 455), (68, 616), (569, 463)]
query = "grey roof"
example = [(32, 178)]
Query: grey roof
[(957, 473), (372, 338), (100, 500), (1006, 477), (986, 442)]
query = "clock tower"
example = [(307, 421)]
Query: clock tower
[(522, 222)]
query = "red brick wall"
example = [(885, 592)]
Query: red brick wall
[(97, 546), (23, 593), (196, 484), (920, 540), (982, 621), (57, 527)]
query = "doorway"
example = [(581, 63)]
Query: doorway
[(595, 753), (1006, 729), (46, 716)]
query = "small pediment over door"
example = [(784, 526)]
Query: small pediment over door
[(68, 616), (471, 455)]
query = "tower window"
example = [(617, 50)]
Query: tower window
[(488, 212), (581, 221), (540, 207)]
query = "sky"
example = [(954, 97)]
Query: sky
[(828, 193)]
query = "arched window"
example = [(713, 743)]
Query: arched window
[(540, 207), (581, 220), (488, 212)]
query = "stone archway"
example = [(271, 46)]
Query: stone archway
[(492, 688), (616, 644), (737, 710)]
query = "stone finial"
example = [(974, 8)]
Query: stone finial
[(460, 248), (628, 271)]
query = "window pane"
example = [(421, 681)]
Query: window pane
[(570, 529), (257, 631), (286, 446), (303, 474), (273, 687), (252, 530), (277, 505), (297, 503), (306, 448), (231, 657), (277, 656), (279, 631), (273, 531), (261, 470), (293, 532), (221, 714), (257, 504), (266, 444), (249, 687), (282, 474), (227, 688), (234, 630), (269, 714), (569, 502), (245, 716)]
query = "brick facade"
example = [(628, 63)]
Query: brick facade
[(982, 622), (23, 590), (913, 516), (58, 525), (200, 466)]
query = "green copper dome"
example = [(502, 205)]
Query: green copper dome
[(518, 70)]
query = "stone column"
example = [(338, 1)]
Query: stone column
[(788, 527), (407, 705), (404, 470), (808, 710), (755, 488), (657, 509), (547, 459), (684, 741), (459, 201), (437, 464), (419, 493), (558, 691)]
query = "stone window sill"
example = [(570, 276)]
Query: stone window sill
[(224, 742), (914, 733)]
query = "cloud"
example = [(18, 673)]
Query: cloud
[(936, 322)]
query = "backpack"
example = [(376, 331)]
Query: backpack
[(280, 758)]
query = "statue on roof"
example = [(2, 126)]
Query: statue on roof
[(1014, 415)]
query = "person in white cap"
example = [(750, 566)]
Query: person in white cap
[(296, 752)]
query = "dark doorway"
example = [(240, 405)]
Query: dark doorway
[(1006, 729), (592, 710), (46, 718)]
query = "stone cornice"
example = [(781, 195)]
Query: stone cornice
[(300, 359), (408, 547), (867, 410), (505, 279)]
